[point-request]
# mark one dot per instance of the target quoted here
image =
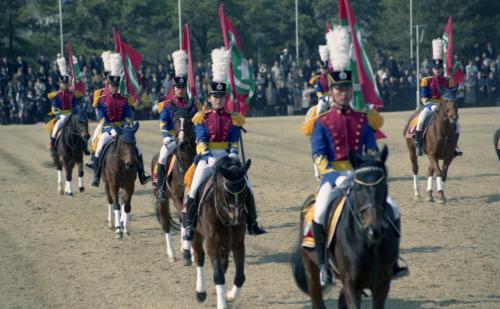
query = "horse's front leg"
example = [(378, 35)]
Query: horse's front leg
[(380, 294), (441, 180), (165, 221), (126, 207), (214, 249), (81, 187), (68, 167), (199, 258), (352, 294), (114, 189), (239, 264), (414, 167), (313, 284), (109, 197)]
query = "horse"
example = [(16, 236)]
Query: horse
[(365, 245), (119, 171), (221, 224), (174, 185), (439, 142), (69, 151), (496, 142)]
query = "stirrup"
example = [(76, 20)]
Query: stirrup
[(325, 276), (95, 182), (161, 195)]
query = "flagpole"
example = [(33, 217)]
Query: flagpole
[(61, 28), (418, 66), (180, 24), (297, 33), (411, 29)]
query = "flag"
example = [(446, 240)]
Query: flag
[(74, 67), (186, 45), (365, 87), (131, 60), (455, 72), (241, 76), (327, 28)]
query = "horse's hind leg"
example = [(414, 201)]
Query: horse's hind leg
[(126, 207), (430, 174), (199, 258), (414, 166), (68, 167), (239, 263), (81, 187), (313, 285), (110, 205), (380, 294), (165, 220)]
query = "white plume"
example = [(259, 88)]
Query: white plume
[(338, 41), (75, 60), (323, 52), (437, 49), (63, 68), (180, 58), (115, 64), (105, 60), (220, 64)]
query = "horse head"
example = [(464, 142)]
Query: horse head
[(368, 194), (127, 146), (449, 107), (231, 190), (80, 122)]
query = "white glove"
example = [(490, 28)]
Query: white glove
[(233, 155), (167, 140), (343, 182), (211, 161), (170, 143), (113, 132)]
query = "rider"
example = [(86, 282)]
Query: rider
[(336, 132), (180, 100), (432, 88), (320, 82), (115, 111), (63, 102), (217, 136)]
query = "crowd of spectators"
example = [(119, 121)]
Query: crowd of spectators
[(281, 89)]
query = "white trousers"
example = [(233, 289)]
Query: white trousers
[(325, 196), (107, 137), (204, 170), (164, 153), (58, 124), (428, 109)]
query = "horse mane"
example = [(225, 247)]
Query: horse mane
[(370, 168)]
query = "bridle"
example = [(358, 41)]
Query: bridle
[(222, 208)]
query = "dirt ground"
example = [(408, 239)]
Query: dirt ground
[(57, 252)]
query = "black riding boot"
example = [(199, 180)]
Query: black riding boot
[(418, 142), (398, 271), (325, 276), (52, 146), (189, 219), (143, 177), (160, 183), (97, 173), (253, 226)]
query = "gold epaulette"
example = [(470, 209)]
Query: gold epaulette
[(78, 94), (161, 105), (130, 100), (451, 83), (97, 97), (375, 120), (310, 120), (52, 95), (313, 80), (238, 119), (199, 118), (424, 82)]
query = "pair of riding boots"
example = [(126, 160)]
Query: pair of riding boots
[(143, 177), (189, 218)]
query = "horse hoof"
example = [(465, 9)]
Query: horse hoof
[(119, 234), (442, 201), (172, 259), (82, 189), (61, 191), (70, 194), (110, 225), (186, 258), (201, 296), (416, 197)]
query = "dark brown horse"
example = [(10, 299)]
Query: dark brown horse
[(174, 185), (365, 246), (496, 142), (439, 143), (222, 225), (119, 170), (69, 151)]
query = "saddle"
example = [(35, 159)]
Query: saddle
[(332, 218), (169, 166), (412, 125), (105, 150)]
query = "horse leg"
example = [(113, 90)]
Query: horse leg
[(239, 264), (81, 187), (109, 197), (437, 173), (380, 294), (59, 180), (441, 180), (68, 167), (199, 258), (126, 208), (430, 174), (164, 217), (352, 294), (214, 250), (313, 285), (116, 210), (414, 167)]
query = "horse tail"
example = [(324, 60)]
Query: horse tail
[(297, 262), (174, 225)]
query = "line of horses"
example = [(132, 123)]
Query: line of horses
[(365, 245)]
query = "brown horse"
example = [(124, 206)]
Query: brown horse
[(496, 142), (119, 171), (222, 224), (439, 143), (69, 151), (174, 185), (365, 245)]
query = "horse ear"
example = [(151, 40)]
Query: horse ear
[(225, 172), (353, 159), (247, 165), (135, 127), (384, 153)]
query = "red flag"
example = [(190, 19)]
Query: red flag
[(77, 84), (186, 45), (328, 28), (448, 41), (129, 57)]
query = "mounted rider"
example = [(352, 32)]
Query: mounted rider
[(114, 111), (180, 100), (217, 136), (63, 102), (320, 82), (432, 88), (336, 132)]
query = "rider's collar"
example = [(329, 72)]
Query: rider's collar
[(344, 109)]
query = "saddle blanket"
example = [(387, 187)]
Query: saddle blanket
[(412, 127), (308, 239)]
